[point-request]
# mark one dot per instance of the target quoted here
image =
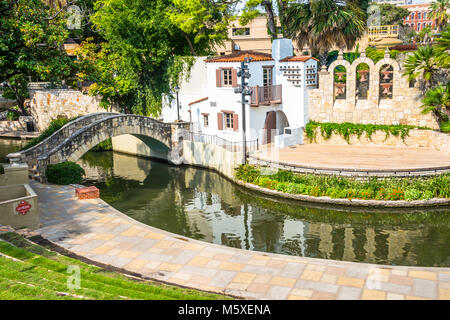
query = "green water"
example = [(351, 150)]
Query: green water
[(201, 204), (9, 145)]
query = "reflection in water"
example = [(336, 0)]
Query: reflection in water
[(203, 205), (8, 145)]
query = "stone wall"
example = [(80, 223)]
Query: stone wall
[(49, 104), (15, 126), (403, 108), (417, 138)]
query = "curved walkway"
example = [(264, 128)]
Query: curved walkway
[(94, 229)]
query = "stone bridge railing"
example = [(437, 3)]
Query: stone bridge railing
[(30, 155), (75, 139)]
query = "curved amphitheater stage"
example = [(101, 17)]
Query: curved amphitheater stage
[(95, 230), (356, 160)]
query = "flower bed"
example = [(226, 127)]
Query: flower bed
[(391, 189)]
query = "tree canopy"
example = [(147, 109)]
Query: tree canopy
[(323, 24), (30, 47), (148, 46), (391, 14)]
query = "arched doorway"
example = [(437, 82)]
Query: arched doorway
[(274, 125), (270, 125)]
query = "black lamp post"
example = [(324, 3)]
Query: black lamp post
[(244, 90), (177, 89)]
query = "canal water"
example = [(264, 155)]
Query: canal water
[(203, 205)]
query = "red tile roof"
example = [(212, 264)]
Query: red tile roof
[(197, 101), (298, 58), (238, 56)]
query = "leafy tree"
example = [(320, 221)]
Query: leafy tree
[(439, 13), (391, 14), (148, 47), (30, 45), (255, 8), (437, 101), (422, 63), (442, 48), (206, 20), (322, 24), (425, 35)]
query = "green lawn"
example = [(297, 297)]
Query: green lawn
[(30, 271)]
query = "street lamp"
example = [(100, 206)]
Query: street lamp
[(244, 90), (177, 90)]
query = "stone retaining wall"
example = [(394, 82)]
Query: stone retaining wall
[(436, 140), (50, 104), (403, 108)]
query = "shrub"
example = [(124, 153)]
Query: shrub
[(246, 173), (412, 194), (2, 170), (12, 116), (64, 173), (347, 188), (54, 126), (445, 127), (103, 146)]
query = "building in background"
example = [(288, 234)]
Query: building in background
[(280, 84), (393, 2), (253, 36), (419, 17)]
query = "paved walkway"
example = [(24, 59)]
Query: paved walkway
[(93, 229), (370, 158)]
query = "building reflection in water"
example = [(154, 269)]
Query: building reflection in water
[(204, 205)]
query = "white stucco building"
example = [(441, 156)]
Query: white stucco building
[(280, 84)]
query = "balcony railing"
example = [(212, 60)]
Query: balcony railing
[(386, 31), (266, 95)]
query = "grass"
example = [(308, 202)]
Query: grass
[(34, 272), (347, 188)]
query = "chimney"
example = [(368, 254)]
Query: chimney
[(282, 48)]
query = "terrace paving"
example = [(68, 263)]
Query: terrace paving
[(364, 158), (93, 229)]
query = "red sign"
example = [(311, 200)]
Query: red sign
[(23, 207)]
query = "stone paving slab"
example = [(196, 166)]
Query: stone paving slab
[(358, 158), (93, 229)]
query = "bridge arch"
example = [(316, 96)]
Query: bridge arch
[(84, 140)]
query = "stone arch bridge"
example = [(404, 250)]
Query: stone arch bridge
[(77, 137)]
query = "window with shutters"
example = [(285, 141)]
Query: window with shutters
[(228, 121), (267, 76), (205, 120), (227, 77)]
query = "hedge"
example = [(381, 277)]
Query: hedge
[(65, 173)]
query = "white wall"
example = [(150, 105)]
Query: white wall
[(211, 156), (202, 84), (192, 89)]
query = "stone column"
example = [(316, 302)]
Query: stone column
[(178, 132)]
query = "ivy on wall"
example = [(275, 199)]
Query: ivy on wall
[(347, 129)]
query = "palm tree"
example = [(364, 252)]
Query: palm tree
[(323, 24), (437, 100), (439, 13), (442, 48), (422, 63)]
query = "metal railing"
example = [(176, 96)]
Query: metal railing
[(252, 145), (386, 31), (266, 95)]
